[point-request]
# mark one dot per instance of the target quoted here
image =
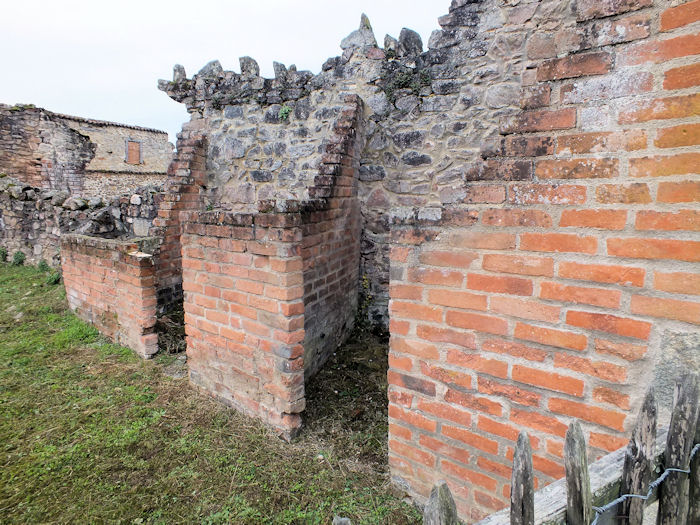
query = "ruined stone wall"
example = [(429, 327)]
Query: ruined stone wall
[(85, 157), (41, 150), (111, 284), (33, 220)]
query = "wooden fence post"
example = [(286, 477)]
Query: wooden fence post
[(578, 485), (639, 457), (522, 490), (673, 492), (694, 492)]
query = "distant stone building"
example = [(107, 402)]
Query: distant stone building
[(84, 156)]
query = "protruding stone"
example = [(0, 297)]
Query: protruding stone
[(95, 202), (362, 37), (75, 203), (211, 69), (280, 71), (249, 67), (179, 73), (441, 508), (391, 45), (410, 43), (59, 198)]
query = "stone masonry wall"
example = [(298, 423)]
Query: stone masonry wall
[(110, 146), (32, 220), (111, 284), (83, 156), (109, 184), (41, 150)]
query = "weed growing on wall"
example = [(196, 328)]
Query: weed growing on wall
[(3, 254), (362, 322), (18, 259), (285, 111)]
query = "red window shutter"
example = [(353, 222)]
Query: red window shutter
[(133, 152)]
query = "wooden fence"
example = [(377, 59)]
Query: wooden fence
[(615, 489)]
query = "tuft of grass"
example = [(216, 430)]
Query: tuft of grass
[(91, 433), (43, 266), (53, 278), (18, 258), (3, 254)]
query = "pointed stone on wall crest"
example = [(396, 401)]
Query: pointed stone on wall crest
[(249, 67), (410, 43), (211, 69), (280, 71), (179, 73), (361, 37), (391, 45)]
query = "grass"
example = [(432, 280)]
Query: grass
[(91, 433)]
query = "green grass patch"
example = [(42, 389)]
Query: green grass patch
[(90, 433)]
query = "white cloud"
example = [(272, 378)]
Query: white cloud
[(103, 59)]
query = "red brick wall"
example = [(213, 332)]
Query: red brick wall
[(182, 193), (540, 302), (331, 244), (244, 312), (111, 284)]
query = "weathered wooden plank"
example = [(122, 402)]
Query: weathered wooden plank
[(673, 492), (639, 457), (578, 485), (441, 508), (694, 491), (550, 501), (522, 489)]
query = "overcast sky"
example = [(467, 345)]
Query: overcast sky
[(102, 59)]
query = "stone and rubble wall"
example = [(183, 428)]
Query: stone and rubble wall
[(83, 156), (109, 184), (33, 220), (111, 284), (42, 150)]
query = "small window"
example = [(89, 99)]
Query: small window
[(133, 152)]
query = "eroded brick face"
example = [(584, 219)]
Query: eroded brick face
[(111, 284)]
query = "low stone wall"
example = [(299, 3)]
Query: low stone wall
[(111, 284), (109, 184), (32, 220), (83, 156)]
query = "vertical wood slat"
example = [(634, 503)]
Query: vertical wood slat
[(578, 485), (694, 492), (673, 492), (639, 458), (522, 490)]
